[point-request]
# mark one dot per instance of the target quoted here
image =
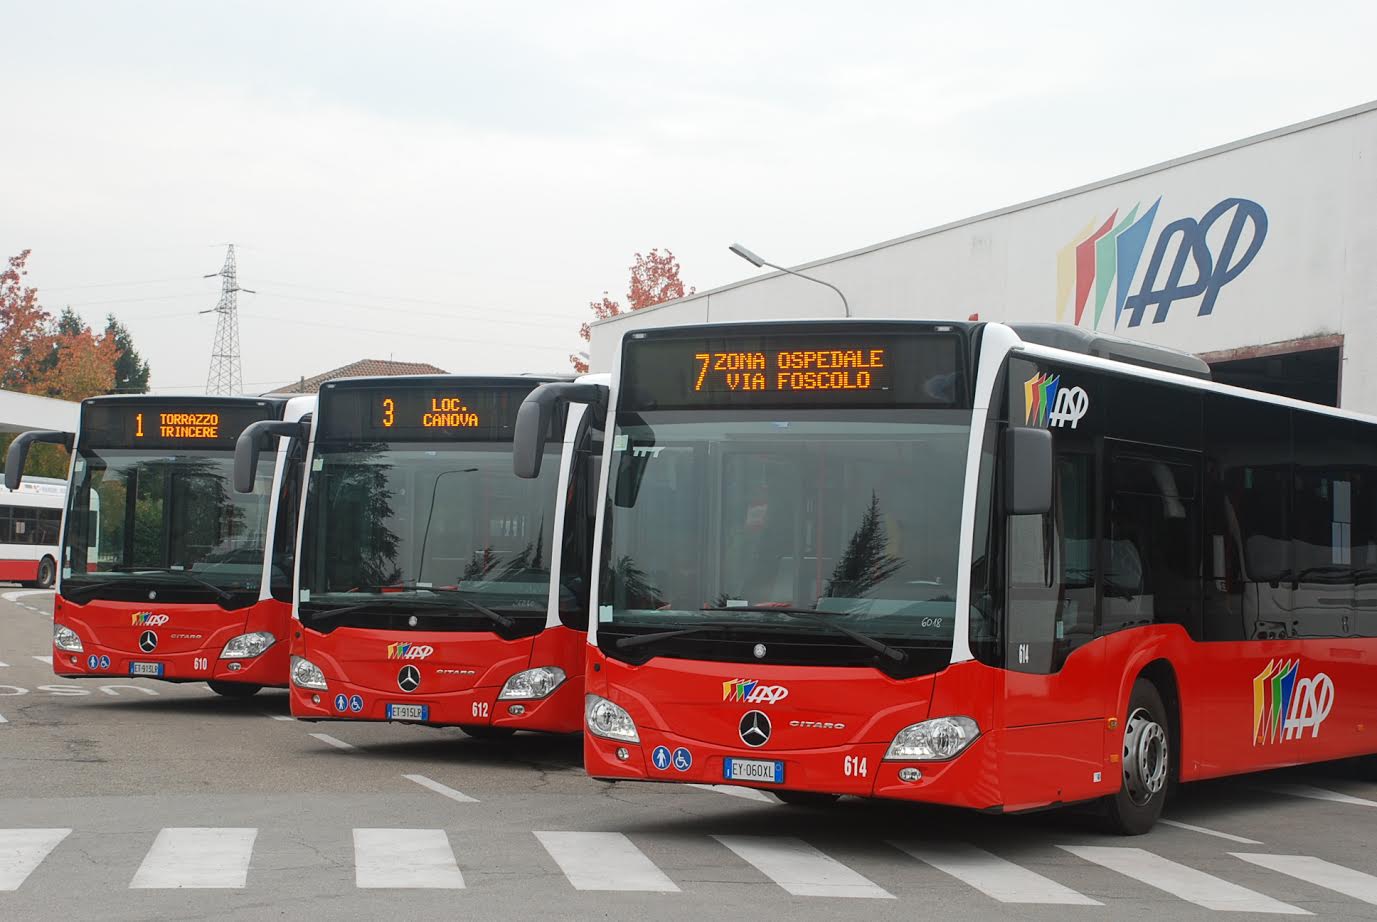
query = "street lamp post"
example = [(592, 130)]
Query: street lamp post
[(756, 261)]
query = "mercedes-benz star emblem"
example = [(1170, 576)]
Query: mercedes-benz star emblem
[(409, 679), (148, 641), (759, 651), (754, 728)]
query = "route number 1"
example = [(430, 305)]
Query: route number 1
[(138, 425)]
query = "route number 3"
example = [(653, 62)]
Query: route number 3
[(480, 709), (855, 767)]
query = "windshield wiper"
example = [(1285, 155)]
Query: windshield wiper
[(641, 640), (169, 571), (805, 614)]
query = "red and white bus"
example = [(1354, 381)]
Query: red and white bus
[(165, 572), (30, 517), (999, 567), (433, 585)]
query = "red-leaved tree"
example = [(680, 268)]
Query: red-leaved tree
[(654, 280)]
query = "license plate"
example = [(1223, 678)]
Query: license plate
[(150, 669), (753, 770), (408, 712)]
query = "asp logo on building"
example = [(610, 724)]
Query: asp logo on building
[(1285, 706), (751, 691), (1190, 259), (1047, 403), (409, 650)]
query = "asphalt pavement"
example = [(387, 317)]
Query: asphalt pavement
[(135, 799)]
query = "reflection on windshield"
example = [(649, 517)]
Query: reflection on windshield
[(406, 520), (133, 514), (855, 517)]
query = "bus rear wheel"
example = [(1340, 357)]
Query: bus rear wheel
[(234, 689), (47, 573), (480, 732), (1146, 764), (806, 798)]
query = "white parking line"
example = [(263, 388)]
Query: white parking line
[(3, 665), (14, 595), (1314, 793), (331, 741), (279, 716), (405, 858), (732, 790), (1323, 873), (1181, 881), (1210, 832), (198, 858), (22, 850), (994, 876), (800, 868), (439, 788), (604, 861), (3, 720), (44, 659)]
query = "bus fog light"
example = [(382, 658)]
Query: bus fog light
[(306, 674), (64, 638), (516, 710), (315, 699), (932, 740), (623, 753), (532, 683), (247, 646), (910, 774), (608, 720)]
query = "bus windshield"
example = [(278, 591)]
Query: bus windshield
[(169, 520), (771, 518), (426, 535)]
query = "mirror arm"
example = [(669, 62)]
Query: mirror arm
[(253, 440), (19, 451)]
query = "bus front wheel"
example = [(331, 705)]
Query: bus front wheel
[(47, 573), (234, 689), (1146, 764)]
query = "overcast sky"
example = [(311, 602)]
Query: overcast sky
[(452, 183)]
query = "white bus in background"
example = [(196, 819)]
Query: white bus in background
[(30, 520)]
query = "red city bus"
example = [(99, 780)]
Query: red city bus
[(167, 573), (998, 567), (433, 585)]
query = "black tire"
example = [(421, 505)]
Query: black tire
[(480, 732), (47, 573), (1146, 764), (806, 798), (238, 690)]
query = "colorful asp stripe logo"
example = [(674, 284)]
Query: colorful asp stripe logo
[(409, 650), (1285, 706), (147, 619), (1047, 403), (750, 690)]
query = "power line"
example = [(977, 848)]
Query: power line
[(395, 332), (116, 284), (391, 298), (399, 310)]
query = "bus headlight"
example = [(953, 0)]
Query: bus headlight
[(64, 638), (306, 674), (532, 683), (609, 720), (932, 740), (246, 646)]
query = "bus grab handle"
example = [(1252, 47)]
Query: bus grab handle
[(19, 452), (251, 442), (533, 420)]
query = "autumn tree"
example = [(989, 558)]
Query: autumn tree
[(654, 280)]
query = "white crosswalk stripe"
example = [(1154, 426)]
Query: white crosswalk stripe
[(1179, 880), (405, 859), (994, 876), (200, 858), (604, 861), (800, 868), (1322, 873), (23, 850)]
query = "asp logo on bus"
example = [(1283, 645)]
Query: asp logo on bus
[(147, 619), (409, 650), (1285, 706), (751, 691), (1047, 403), (1191, 258)]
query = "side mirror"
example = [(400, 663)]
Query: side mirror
[(19, 452), (252, 441), (1027, 471), (535, 414)]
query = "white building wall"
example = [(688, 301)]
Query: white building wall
[(1314, 273)]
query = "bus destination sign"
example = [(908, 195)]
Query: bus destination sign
[(884, 369), (399, 412), (155, 425)]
